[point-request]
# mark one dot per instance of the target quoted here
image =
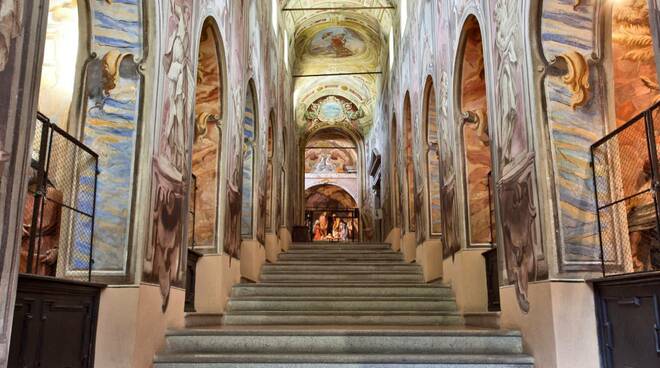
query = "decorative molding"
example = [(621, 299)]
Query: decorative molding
[(576, 76)]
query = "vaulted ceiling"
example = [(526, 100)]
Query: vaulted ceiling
[(339, 49)]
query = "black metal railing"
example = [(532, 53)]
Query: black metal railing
[(626, 185), (333, 224), (60, 207)]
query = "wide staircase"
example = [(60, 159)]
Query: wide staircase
[(341, 305)]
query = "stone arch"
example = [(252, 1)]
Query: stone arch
[(397, 208), (475, 141), (270, 148), (207, 137), (434, 185), (409, 164), (250, 128)]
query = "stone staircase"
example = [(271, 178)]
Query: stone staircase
[(342, 305)]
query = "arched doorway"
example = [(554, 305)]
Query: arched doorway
[(250, 129), (475, 137), (332, 157), (409, 164), (331, 210), (432, 160), (207, 140), (269, 175), (397, 207)]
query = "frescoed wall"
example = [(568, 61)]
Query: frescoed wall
[(249, 143), (476, 139), (164, 261), (433, 161), (109, 122), (208, 136)]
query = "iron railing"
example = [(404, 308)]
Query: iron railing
[(341, 225), (60, 208), (626, 184)]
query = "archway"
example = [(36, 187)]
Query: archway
[(207, 141), (269, 174), (331, 213), (409, 164), (332, 157), (250, 129), (397, 207), (432, 160), (475, 137)]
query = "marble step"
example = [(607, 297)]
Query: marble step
[(338, 290), (331, 317), (345, 304), (339, 246), (343, 361), (345, 276), (340, 251), (335, 341), (350, 257), (345, 267), (196, 319)]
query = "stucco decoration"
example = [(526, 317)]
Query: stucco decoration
[(328, 101), (576, 76), (113, 84), (10, 26)]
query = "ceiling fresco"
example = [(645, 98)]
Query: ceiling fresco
[(339, 48), (338, 43), (300, 11)]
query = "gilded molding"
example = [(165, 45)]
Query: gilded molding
[(576, 77)]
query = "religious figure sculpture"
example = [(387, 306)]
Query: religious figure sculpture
[(47, 233)]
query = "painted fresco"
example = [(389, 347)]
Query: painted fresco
[(633, 59), (165, 256), (247, 188), (476, 137), (521, 240), (409, 165), (113, 88), (268, 203), (208, 138), (329, 196), (433, 163), (337, 42), (576, 120)]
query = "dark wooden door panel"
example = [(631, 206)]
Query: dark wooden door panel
[(54, 323), (628, 318)]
